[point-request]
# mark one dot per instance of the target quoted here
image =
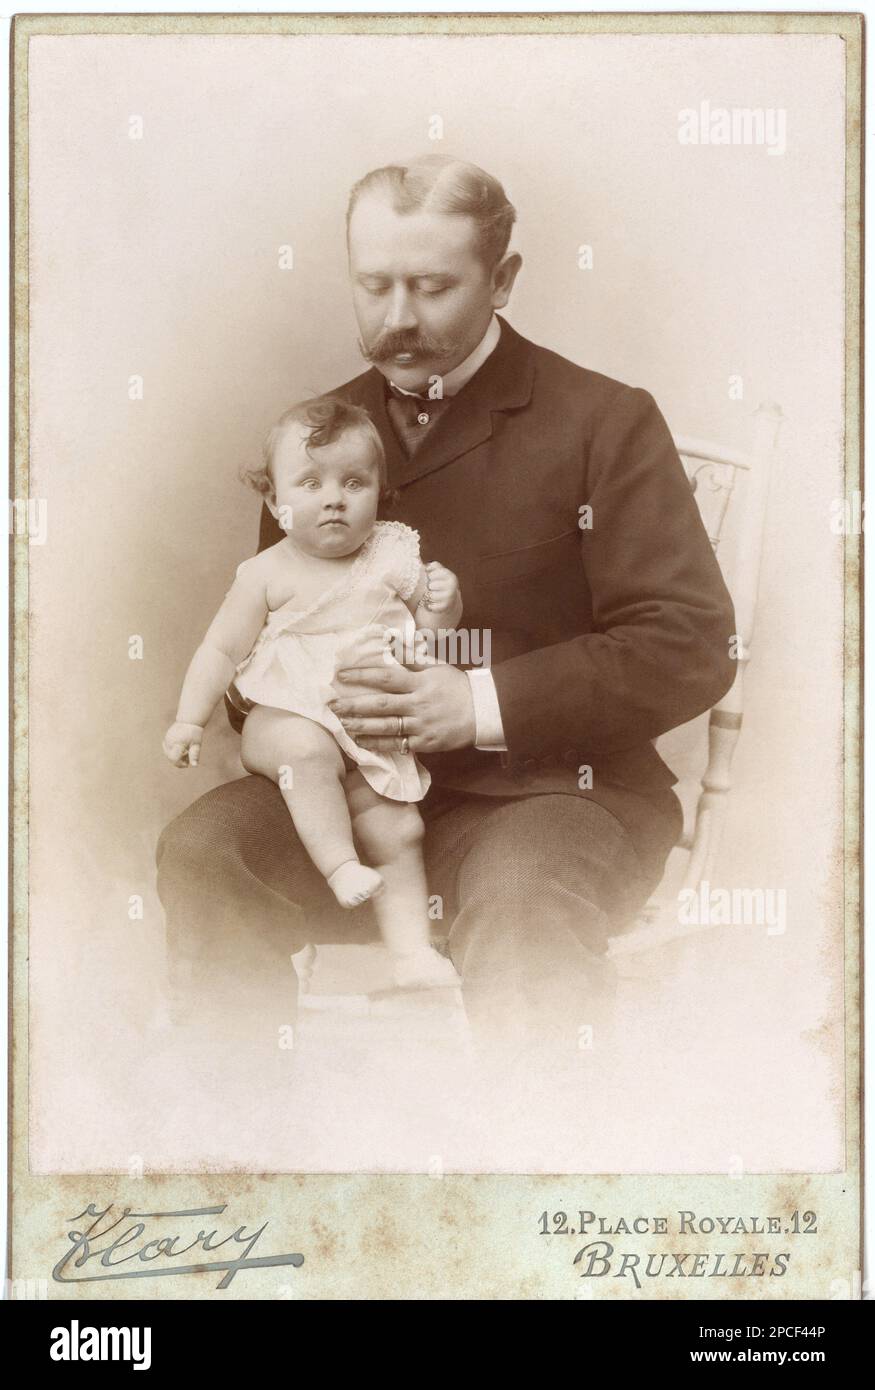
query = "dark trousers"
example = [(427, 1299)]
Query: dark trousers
[(528, 890)]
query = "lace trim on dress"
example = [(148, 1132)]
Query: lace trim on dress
[(408, 577)]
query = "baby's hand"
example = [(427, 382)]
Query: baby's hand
[(443, 589), (182, 744)]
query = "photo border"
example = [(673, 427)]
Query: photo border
[(473, 1236)]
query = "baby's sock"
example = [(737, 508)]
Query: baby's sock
[(353, 883)]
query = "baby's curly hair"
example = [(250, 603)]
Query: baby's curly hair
[(326, 418)]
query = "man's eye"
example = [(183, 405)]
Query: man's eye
[(375, 289), (430, 293)]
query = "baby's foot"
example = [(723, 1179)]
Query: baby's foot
[(353, 883), (424, 969)]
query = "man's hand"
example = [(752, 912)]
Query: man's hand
[(432, 698)]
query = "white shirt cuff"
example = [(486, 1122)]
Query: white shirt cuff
[(489, 734)]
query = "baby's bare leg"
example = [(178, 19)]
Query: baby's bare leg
[(307, 765), (390, 835)]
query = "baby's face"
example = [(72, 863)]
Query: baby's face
[(326, 500)]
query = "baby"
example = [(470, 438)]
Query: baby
[(274, 643)]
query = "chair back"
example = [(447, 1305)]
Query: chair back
[(731, 489)]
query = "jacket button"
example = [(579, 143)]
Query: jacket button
[(570, 758)]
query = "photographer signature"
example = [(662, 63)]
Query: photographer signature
[(129, 1245)]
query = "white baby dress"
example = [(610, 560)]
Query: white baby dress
[(294, 659)]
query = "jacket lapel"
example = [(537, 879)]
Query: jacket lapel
[(504, 382)]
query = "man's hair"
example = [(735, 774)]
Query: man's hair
[(326, 418), (440, 183)]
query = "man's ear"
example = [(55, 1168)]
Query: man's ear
[(503, 277)]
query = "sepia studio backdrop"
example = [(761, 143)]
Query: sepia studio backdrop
[(158, 258)]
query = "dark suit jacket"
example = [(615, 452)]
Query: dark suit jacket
[(601, 638)]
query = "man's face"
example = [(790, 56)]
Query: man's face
[(422, 297), (326, 500)]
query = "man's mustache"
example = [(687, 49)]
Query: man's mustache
[(421, 346)]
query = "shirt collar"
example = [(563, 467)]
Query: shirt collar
[(461, 375)]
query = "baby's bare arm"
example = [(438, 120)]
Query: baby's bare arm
[(227, 640)]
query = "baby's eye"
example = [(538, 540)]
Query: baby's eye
[(310, 483), (355, 484)]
